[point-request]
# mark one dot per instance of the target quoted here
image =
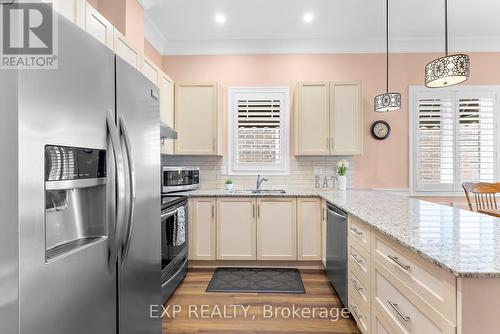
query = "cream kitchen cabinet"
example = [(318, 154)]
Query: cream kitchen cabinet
[(309, 225), (126, 50), (236, 228), (276, 229), (196, 118), (312, 118), (150, 70), (393, 290), (202, 223), (328, 118), (346, 118), (98, 26), (73, 10), (166, 86)]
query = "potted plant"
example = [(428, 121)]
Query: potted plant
[(229, 184), (342, 167)]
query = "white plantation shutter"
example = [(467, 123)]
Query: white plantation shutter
[(258, 130), (454, 137), (435, 144), (476, 138)]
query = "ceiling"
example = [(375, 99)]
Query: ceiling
[(185, 27)]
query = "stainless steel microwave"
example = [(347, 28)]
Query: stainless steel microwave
[(179, 179)]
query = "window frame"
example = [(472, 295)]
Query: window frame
[(455, 92), (232, 125)]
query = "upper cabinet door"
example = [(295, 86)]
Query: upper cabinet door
[(151, 71), (346, 118), (97, 26), (312, 119), (166, 86), (73, 10), (126, 51), (196, 109)]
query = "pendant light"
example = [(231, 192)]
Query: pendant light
[(388, 101), (448, 70)]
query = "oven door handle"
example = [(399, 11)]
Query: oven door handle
[(171, 212), (176, 273)]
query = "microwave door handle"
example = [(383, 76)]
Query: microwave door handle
[(131, 198), (115, 242)]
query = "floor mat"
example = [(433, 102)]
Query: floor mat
[(269, 280)]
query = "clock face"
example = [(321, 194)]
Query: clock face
[(380, 130)]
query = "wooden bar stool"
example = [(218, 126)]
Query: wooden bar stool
[(484, 197)]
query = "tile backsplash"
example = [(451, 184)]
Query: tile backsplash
[(303, 173)]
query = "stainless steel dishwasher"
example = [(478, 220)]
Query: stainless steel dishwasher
[(336, 250)]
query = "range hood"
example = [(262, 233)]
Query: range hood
[(166, 132)]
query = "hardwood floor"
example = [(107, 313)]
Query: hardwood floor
[(193, 304)]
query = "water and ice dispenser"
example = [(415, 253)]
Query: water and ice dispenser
[(75, 199)]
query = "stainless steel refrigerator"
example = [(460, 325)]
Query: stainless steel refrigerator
[(79, 194)]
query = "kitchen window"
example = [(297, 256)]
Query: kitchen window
[(453, 137), (258, 133)]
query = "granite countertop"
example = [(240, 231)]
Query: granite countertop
[(465, 243)]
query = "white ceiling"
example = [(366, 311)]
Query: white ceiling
[(276, 26)]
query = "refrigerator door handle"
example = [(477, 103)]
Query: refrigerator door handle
[(131, 198), (115, 242)]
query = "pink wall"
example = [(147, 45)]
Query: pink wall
[(93, 3), (114, 11), (151, 53), (384, 164), (125, 15), (134, 23)]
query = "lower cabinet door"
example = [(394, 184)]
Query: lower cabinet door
[(309, 224), (236, 229), (202, 228), (276, 229)]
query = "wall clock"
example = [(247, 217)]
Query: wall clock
[(380, 130)]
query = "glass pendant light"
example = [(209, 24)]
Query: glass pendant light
[(388, 101), (448, 70)]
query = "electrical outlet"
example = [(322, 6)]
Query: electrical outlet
[(223, 170), (318, 170)]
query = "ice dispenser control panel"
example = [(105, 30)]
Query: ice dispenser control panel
[(73, 163), (75, 199)]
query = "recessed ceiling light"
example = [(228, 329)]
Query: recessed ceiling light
[(308, 17), (220, 18)]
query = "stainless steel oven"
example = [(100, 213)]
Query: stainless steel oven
[(179, 179), (174, 241)]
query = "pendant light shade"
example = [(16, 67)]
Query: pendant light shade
[(387, 101), (448, 70)]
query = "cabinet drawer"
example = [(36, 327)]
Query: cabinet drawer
[(403, 308), (381, 324), (359, 286), (361, 314), (359, 259), (360, 233), (434, 285)]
